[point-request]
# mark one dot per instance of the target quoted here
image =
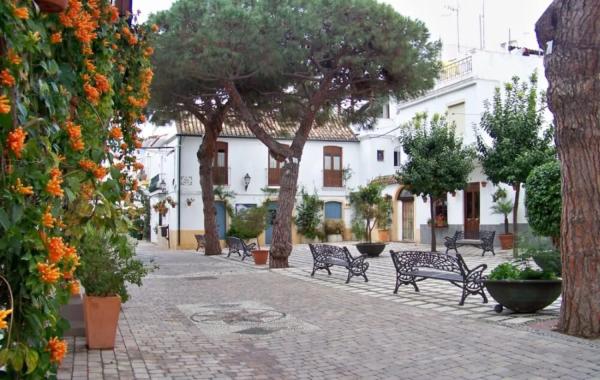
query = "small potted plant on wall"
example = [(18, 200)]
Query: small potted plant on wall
[(503, 206), (108, 264), (369, 210), (334, 229)]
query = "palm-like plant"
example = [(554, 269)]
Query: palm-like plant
[(504, 207)]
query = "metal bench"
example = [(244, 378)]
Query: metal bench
[(415, 266), (325, 256), (237, 245), (485, 241), (201, 241)]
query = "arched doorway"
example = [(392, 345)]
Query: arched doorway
[(407, 222)]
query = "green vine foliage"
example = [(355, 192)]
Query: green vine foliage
[(73, 87), (544, 200), (308, 215)]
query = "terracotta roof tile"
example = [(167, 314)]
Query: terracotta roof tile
[(334, 130)]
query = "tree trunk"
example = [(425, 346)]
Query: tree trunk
[(431, 210), (573, 69), (282, 229), (517, 187), (206, 156), (505, 224)]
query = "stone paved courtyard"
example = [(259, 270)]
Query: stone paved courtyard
[(204, 317)]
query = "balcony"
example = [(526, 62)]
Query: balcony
[(221, 176), (456, 70)]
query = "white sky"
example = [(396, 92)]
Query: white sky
[(500, 15)]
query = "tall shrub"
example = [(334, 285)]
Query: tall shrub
[(543, 200), (308, 215)]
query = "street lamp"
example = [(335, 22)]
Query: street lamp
[(246, 181)]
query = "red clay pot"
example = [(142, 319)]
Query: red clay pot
[(52, 6), (260, 256), (506, 241), (101, 316)]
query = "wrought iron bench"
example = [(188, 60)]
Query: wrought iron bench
[(201, 241), (415, 266), (237, 245), (325, 256), (485, 241)]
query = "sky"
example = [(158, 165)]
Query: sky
[(501, 18)]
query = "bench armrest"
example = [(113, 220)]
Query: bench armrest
[(251, 246), (476, 274)]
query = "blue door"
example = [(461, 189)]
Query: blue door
[(271, 214), (221, 219), (333, 210)]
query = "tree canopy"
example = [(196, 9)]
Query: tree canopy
[(437, 164), (543, 199)]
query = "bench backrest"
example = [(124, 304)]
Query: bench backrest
[(409, 261), (236, 243), (325, 250)]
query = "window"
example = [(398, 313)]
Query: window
[(332, 166), (274, 171), (333, 210), (385, 114), (220, 170), (380, 155), (440, 210), (397, 153)]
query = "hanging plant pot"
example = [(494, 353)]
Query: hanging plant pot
[(260, 256), (52, 6)]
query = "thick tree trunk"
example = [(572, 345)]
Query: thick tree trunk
[(282, 229), (431, 210), (573, 69), (206, 155), (515, 216)]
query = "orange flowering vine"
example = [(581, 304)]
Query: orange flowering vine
[(116, 133), (49, 273), (56, 38), (100, 172), (21, 12), (16, 141), (6, 78), (3, 314), (4, 104), (24, 190), (56, 249), (47, 218), (87, 165), (13, 57), (102, 83), (54, 184), (57, 349), (74, 287), (74, 132)]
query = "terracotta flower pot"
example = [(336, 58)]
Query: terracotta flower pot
[(260, 256), (101, 316), (384, 235), (52, 6), (506, 241)]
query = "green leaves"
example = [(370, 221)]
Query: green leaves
[(544, 200)]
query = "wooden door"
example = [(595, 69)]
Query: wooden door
[(408, 217), (472, 211)]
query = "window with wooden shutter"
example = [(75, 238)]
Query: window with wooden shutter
[(220, 168), (332, 166), (274, 171)]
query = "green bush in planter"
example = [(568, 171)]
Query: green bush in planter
[(108, 264), (334, 226), (248, 223), (513, 271)]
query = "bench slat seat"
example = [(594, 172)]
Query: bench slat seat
[(485, 241), (325, 256), (414, 266)]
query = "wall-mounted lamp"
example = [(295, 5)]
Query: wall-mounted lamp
[(189, 201), (483, 183), (163, 186), (247, 179)]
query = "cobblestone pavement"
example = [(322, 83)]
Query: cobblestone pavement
[(204, 317)]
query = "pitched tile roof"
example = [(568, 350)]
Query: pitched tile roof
[(333, 130)]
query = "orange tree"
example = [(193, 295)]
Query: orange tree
[(73, 87)]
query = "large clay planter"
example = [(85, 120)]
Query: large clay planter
[(524, 296), (370, 249), (101, 316), (52, 6), (260, 256), (506, 241), (384, 235)]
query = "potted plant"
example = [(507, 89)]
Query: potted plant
[(108, 264), (503, 206), (247, 224), (385, 221), (334, 228), (521, 288), (308, 217), (369, 210)]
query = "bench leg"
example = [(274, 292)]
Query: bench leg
[(465, 293), (349, 276), (229, 253), (365, 277), (313, 272), (482, 292)]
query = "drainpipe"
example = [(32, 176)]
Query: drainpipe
[(178, 192)]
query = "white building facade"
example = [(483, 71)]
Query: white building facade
[(337, 160)]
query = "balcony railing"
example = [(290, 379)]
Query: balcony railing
[(456, 69), (220, 176)]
